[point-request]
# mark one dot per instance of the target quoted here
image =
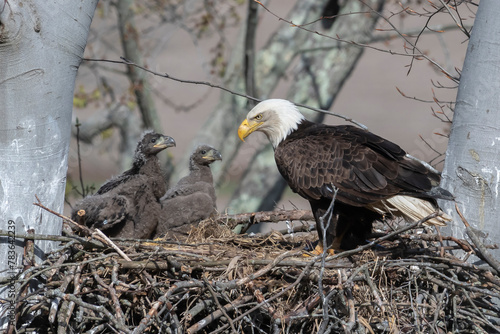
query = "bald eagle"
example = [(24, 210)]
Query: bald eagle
[(366, 175)]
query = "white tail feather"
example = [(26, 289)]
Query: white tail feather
[(411, 208)]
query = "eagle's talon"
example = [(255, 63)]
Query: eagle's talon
[(318, 250)]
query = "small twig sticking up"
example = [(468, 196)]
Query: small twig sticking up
[(67, 219), (108, 241), (328, 214)]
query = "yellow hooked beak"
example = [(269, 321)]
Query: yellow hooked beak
[(247, 128)]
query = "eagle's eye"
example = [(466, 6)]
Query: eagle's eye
[(258, 117)]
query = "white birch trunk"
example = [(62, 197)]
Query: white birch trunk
[(41, 45), (472, 167)]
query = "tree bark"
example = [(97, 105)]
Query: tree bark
[(249, 63), (472, 166), (130, 41), (320, 76), (40, 56)]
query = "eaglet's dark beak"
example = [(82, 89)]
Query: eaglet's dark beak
[(164, 142), (213, 155)]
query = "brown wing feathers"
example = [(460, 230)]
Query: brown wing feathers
[(365, 167)]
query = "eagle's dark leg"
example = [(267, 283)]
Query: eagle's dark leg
[(319, 209), (349, 225), (355, 223)]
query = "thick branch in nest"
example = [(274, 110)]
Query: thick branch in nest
[(264, 217)]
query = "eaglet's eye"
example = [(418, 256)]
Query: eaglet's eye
[(203, 152), (258, 117), (153, 140)]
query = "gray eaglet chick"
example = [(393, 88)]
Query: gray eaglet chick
[(128, 205), (192, 199)]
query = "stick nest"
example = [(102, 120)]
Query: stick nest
[(218, 282)]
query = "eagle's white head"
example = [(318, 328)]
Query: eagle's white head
[(277, 118)]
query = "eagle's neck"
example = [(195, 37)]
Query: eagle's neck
[(288, 123), (200, 172), (151, 165)]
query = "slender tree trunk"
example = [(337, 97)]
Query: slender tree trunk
[(132, 51), (41, 45), (472, 167), (249, 63), (317, 83)]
